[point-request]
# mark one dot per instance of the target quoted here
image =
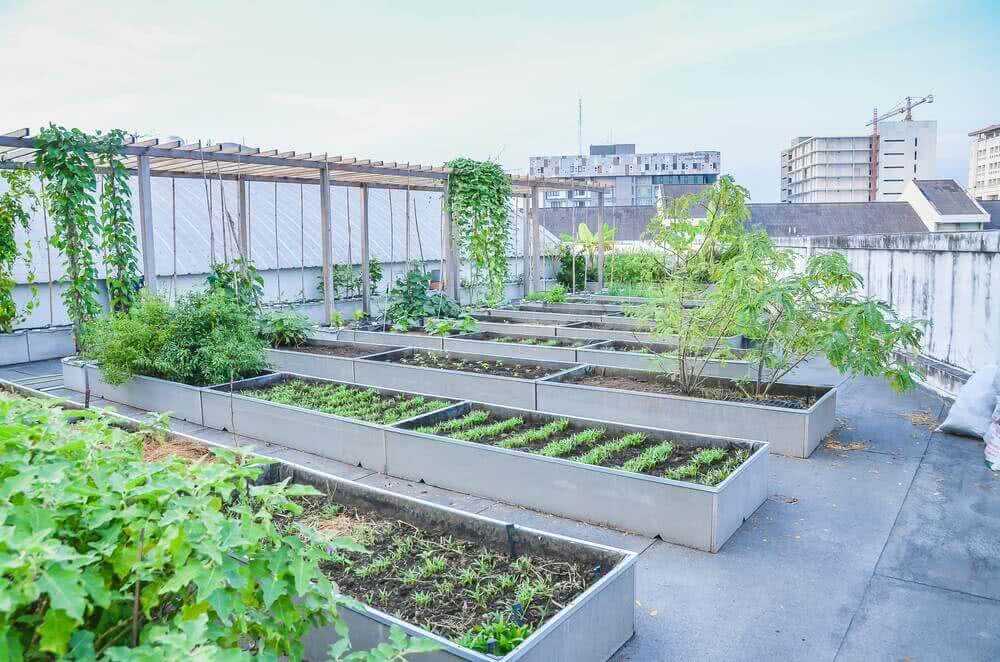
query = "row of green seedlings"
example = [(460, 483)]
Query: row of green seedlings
[(486, 601), (537, 341), (708, 466), (364, 404)]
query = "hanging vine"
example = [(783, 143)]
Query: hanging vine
[(479, 195), (16, 205), (118, 232), (67, 171)]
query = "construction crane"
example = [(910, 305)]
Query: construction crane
[(906, 107)]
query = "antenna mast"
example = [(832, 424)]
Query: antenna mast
[(579, 125)]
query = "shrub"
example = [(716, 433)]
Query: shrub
[(633, 268), (565, 273), (555, 294), (285, 328), (410, 302), (207, 338)]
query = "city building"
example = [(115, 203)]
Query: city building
[(839, 168), (984, 163), (634, 175)]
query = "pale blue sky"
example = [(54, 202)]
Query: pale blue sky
[(425, 82)]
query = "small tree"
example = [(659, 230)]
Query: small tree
[(589, 242), (787, 315)]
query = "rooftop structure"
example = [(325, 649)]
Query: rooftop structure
[(984, 163)]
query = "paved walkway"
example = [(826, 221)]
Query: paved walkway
[(884, 545)]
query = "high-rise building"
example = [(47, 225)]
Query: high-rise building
[(635, 176), (839, 168), (984, 163)]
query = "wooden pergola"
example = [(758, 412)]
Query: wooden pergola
[(152, 157)]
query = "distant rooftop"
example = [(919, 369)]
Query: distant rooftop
[(991, 127), (947, 196), (782, 219)]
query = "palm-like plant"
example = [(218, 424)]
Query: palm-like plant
[(589, 242)]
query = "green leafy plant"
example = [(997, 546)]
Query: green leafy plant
[(16, 205), (573, 273), (206, 338), (626, 269), (336, 319), (498, 637), (587, 243), (285, 328), (108, 555), (69, 180), (121, 255), (239, 279), (446, 327), (479, 195), (410, 301), (555, 294), (359, 315)]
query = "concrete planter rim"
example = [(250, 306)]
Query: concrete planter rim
[(468, 336), (828, 394), (520, 380), (757, 448)]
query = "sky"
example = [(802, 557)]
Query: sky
[(427, 82)]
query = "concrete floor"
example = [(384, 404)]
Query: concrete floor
[(882, 546)]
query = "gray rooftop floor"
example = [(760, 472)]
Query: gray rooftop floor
[(886, 552)]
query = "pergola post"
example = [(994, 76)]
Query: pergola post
[(327, 241), (365, 276), (244, 213), (600, 241), (450, 257), (536, 242), (146, 226), (526, 251)]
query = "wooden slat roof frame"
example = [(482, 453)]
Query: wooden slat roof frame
[(233, 161)]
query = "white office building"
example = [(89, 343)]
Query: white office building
[(636, 177), (839, 168), (984, 163)]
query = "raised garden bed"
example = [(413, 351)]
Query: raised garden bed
[(337, 420), (522, 316), (518, 346), (571, 584), (659, 357), (583, 308), (180, 400), (498, 324), (329, 359), (633, 330), (687, 488), (793, 420), (457, 375)]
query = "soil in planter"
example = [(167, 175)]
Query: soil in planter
[(722, 353), (602, 326), (630, 383), (345, 350), (636, 452), (495, 367), (538, 341), (445, 584), (363, 404)]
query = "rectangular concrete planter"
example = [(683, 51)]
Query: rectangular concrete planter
[(501, 325), (338, 368), (381, 371), (481, 343), (27, 345), (608, 356), (583, 308), (591, 628), (334, 437), (14, 348), (792, 432), (521, 316), (679, 512), (392, 338), (630, 330), (149, 393)]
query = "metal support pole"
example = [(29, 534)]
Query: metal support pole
[(600, 241), (526, 251), (536, 243), (244, 221), (365, 276), (146, 226), (450, 257), (327, 239)]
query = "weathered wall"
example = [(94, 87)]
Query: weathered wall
[(951, 279), (630, 221)]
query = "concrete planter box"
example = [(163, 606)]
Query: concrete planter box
[(381, 371), (337, 368), (607, 299), (36, 344), (392, 338), (522, 316), (14, 348), (334, 437), (502, 325), (74, 374), (792, 432), (180, 400), (679, 512), (609, 355), (580, 308), (629, 330), (589, 629), (486, 343)]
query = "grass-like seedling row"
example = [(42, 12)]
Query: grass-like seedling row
[(539, 341), (364, 404), (452, 587), (634, 452)]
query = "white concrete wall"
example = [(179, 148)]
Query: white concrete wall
[(951, 279), (907, 150)]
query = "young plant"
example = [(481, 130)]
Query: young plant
[(359, 315), (533, 436), (556, 294), (240, 280), (569, 444), (488, 431), (649, 458), (604, 452), (285, 329), (471, 419), (336, 320)]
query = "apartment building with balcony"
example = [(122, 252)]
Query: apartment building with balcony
[(984, 163)]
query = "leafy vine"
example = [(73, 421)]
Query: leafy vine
[(119, 239), (479, 198), (16, 205), (69, 178)]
